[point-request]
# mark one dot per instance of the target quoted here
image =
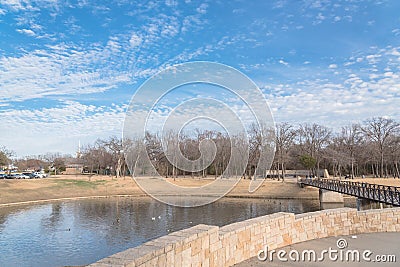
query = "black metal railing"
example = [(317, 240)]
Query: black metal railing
[(380, 193)]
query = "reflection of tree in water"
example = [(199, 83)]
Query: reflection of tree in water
[(125, 222), (6, 212), (3, 219), (106, 226), (55, 218), (120, 220)]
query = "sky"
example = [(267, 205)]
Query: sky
[(68, 69)]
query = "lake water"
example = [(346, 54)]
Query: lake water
[(80, 232)]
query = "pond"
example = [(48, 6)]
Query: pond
[(80, 232)]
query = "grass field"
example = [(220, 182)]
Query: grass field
[(71, 186), (64, 186)]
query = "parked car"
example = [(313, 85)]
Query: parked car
[(23, 176), (40, 174), (13, 176), (35, 175), (3, 176), (29, 174)]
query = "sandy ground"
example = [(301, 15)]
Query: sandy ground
[(70, 186)]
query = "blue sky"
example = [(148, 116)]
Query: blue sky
[(69, 68)]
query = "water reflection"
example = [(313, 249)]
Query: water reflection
[(84, 231)]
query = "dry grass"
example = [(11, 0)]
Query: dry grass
[(69, 186), (382, 181), (64, 186)]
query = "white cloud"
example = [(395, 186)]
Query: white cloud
[(371, 89), (193, 22), (334, 104), (173, 3), (319, 18), (114, 44), (59, 128), (394, 52), (202, 9), (333, 66), (170, 30), (27, 32), (31, 5), (135, 40), (373, 76), (281, 61), (373, 59), (59, 71), (14, 5)]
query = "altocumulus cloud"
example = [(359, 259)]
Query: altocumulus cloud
[(68, 123)]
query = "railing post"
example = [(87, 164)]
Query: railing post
[(397, 196), (373, 192), (385, 193), (392, 196)]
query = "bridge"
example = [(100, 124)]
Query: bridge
[(375, 192)]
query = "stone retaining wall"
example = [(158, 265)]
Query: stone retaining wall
[(205, 245)]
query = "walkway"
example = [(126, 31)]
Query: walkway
[(379, 244)]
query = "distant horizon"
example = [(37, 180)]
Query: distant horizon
[(68, 71)]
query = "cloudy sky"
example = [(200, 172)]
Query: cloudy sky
[(68, 69)]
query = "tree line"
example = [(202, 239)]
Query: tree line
[(367, 148)]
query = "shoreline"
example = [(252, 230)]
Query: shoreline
[(40, 201), (76, 187)]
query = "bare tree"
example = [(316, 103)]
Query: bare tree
[(349, 139), (284, 139), (115, 147), (58, 165), (378, 130), (313, 139), (373, 147), (394, 154), (5, 155)]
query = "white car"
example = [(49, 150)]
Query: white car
[(23, 176), (40, 174)]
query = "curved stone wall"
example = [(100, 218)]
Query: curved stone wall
[(205, 245)]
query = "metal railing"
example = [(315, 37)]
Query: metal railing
[(380, 193)]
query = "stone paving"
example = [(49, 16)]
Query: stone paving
[(380, 244)]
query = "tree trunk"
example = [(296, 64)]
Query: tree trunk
[(381, 170), (386, 171), (352, 167), (397, 170)]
